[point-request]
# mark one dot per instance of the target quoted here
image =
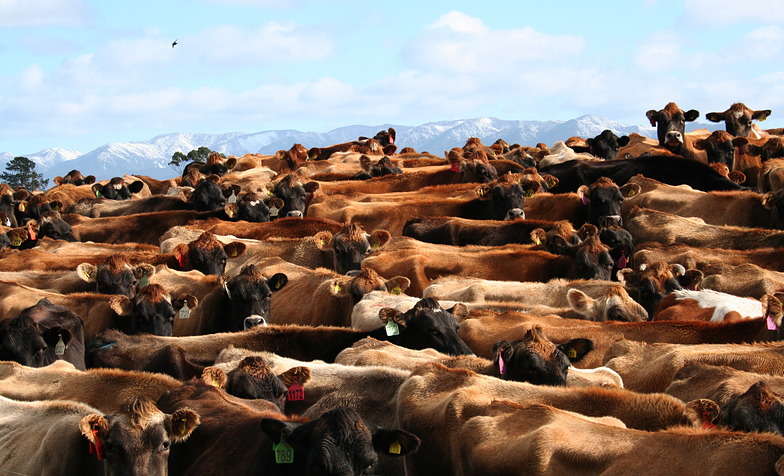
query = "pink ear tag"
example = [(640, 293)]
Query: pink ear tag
[(296, 393), (584, 199), (622, 261), (501, 365), (771, 324)]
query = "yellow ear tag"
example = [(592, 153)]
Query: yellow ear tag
[(17, 242), (338, 287), (182, 425), (529, 194), (394, 448), (572, 354), (396, 290), (537, 241), (631, 192), (87, 273), (22, 207)]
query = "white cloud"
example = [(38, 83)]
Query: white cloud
[(36, 13), (460, 43), (726, 12), (255, 3)]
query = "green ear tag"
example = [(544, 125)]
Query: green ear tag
[(396, 290), (394, 448), (284, 453), (572, 354), (98, 194), (185, 313), (232, 198), (392, 328), (145, 281), (59, 348)]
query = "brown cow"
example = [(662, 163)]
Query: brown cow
[(49, 437), (714, 306), (738, 119), (649, 367), (549, 441)]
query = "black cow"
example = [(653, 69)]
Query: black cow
[(668, 169), (74, 177), (605, 145), (720, 147), (604, 198), (351, 245), (758, 409), (115, 275), (670, 124), (249, 294), (425, 325), (116, 189), (293, 195), (535, 359), (738, 119), (42, 334), (150, 311), (208, 195)]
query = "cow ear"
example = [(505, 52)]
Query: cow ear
[(338, 287), (395, 442), (625, 276), (769, 200), (651, 115), (213, 178), (181, 423), (538, 236), (737, 176), (623, 141), (772, 308), (576, 349), (59, 180), (275, 428), (715, 116), (739, 141), (311, 187), (56, 205), (53, 335), (90, 179), (387, 313), (231, 210), (215, 376), (364, 162), (702, 413), (459, 310), (323, 240), (183, 299), (579, 301), (136, 186), (144, 270), (630, 190), (180, 253), (93, 423), (530, 189), (121, 305), (234, 249), (277, 281), (761, 115), (398, 284), (550, 180), (87, 272), (274, 202), (692, 115), (584, 192), (379, 238), (293, 375), (483, 191), (231, 162)]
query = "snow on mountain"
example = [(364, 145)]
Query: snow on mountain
[(151, 157)]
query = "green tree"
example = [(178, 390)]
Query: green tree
[(20, 171), (196, 155)]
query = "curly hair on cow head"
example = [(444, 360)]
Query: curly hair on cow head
[(141, 411)]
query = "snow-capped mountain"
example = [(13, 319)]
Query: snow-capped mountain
[(152, 156)]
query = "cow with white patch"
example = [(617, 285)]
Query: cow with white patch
[(714, 306)]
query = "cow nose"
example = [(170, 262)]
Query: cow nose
[(514, 214), (253, 321), (673, 137), (295, 214)]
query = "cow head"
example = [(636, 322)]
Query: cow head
[(116, 189), (249, 293), (151, 311), (650, 283), (358, 283), (293, 194), (217, 164), (207, 254), (775, 202), (351, 245), (720, 147), (426, 325), (54, 227), (738, 119), (614, 305), (592, 259), (619, 240), (208, 195), (340, 441), (758, 409), (604, 198), (137, 439), (606, 144), (21, 341), (8, 206), (253, 379), (561, 239), (670, 124), (471, 170), (115, 275), (74, 177), (61, 330), (535, 359), (251, 207)]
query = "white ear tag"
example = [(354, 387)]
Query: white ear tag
[(274, 211), (59, 348), (392, 328), (185, 312), (232, 198)]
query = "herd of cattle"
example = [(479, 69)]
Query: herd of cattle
[(605, 305)]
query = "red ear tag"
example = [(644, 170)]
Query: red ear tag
[(98, 448), (33, 236), (181, 260), (501, 365), (296, 393), (771, 323), (455, 167), (706, 423), (622, 261)]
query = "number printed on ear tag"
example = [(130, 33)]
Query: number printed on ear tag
[(394, 448), (185, 312), (284, 453)]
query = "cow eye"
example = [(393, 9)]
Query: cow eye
[(165, 445)]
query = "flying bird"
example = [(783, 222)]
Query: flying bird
[(174, 43)]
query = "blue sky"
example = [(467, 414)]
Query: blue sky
[(77, 74)]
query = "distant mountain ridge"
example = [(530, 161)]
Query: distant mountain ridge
[(152, 156)]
